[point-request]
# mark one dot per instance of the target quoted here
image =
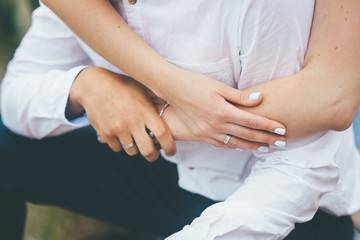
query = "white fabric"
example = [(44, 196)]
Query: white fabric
[(239, 42)]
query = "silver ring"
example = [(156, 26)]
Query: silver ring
[(227, 139), (164, 108), (151, 134), (130, 145)]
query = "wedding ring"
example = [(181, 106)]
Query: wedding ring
[(130, 145), (151, 134), (164, 108), (227, 139)]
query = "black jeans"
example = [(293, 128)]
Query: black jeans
[(76, 172)]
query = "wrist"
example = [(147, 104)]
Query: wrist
[(166, 79), (74, 108)]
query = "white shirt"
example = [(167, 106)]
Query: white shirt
[(242, 43)]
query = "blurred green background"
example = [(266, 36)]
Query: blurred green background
[(44, 222)]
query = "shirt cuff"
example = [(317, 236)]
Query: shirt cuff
[(59, 104)]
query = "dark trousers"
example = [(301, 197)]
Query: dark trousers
[(76, 172)]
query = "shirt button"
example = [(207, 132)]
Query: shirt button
[(191, 168), (132, 1)]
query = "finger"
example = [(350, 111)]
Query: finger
[(237, 143), (239, 97), (253, 121), (146, 146), (98, 137), (128, 144), (113, 143), (163, 135), (255, 135)]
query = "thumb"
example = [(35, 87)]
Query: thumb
[(242, 98)]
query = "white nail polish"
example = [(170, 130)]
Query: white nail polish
[(239, 149), (254, 96), (263, 149), (280, 131), (280, 144)]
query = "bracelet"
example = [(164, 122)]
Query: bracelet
[(164, 108)]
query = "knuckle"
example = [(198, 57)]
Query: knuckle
[(269, 126), (132, 153), (161, 131), (216, 144), (119, 127), (221, 115), (201, 131), (241, 96), (106, 132), (148, 152), (215, 126), (269, 139), (115, 148), (233, 143), (248, 135), (252, 123), (170, 149), (152, 158)]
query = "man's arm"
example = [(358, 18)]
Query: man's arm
[(329, 80), (49, 81), (203, 109), (38, 79)]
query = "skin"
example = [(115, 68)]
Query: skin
[(327, 89), (217, 117), (331, 67), (126, 100)]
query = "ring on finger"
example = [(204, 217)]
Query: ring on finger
[(153, 138), (227, 139), (130, 145)]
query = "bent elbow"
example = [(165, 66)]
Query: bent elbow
[(344, 116)]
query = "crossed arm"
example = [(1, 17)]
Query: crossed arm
[(328, 85)]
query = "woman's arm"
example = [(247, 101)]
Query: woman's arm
[(325, 95), (204, 110), (327, 87)]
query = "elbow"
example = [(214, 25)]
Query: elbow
[(343, 115)]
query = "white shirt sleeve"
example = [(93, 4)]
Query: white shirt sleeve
[(36, 86), (283, 188)]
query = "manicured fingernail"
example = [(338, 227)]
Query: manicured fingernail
[(254, 96), (239, 149), (263, 149), (280, 144), (280, 131)]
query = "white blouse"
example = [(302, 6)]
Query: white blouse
[(239, 42)]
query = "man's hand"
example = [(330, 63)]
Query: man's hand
[(120, 110)]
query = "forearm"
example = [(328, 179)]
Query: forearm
[(325, 94), (38, 79), (334, 54), (306, 103), (106, 32)]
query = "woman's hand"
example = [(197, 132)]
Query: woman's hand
[(207, 108), (120, 110)]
